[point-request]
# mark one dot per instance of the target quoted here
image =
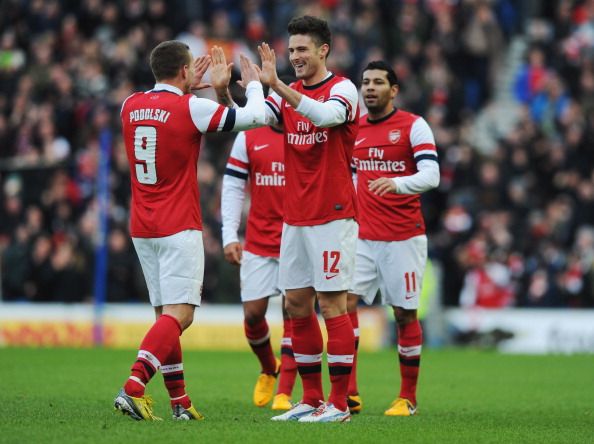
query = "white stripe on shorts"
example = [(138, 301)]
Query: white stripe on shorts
[(148, 356), (410, 351), (340, 359), (307, 359), (172, 368), (286, 341), (356, 332)]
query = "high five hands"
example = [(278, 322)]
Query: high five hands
[(220, 70)]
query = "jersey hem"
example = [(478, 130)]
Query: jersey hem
[(391, 239), (262, 253), (152, 234), (322, 221)]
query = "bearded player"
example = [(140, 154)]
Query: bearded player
[(395, 160)]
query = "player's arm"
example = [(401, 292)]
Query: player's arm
[(209, 116), (425, 154), (232, 198), (335, 111)]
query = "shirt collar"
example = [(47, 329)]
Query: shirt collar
[(167, 87)]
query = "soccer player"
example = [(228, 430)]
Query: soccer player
[(320, 117), (258, 155), (395, 160), (162, 131)]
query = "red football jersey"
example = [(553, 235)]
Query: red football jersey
[(259, 156), (319, 187), (390, 147), (162, 133)]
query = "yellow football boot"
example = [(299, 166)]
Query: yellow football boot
[(182, 414), (264, 389), (355, 404), (137, 408), (401, 407), (281, 402)]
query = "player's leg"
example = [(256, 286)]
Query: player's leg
[(306, 336), (353, 399), (131, 399), (365, 286), (172, 368), (410, 340), (173, 267), (257, 333), (288, 373), (333, 247), (259, 281), (401, 285)]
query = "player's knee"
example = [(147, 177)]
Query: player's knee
[(403, 316), (253, 318), (186, 321), (296, 308), (352, 301)]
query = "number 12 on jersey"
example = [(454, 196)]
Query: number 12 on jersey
[(145, 152)]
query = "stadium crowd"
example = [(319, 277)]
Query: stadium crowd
[(511, 226)]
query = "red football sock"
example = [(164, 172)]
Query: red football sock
[(308, 346), (154, 349), (341, 350), (410, 340), (173, 376), (288, 373), (353, 389), (258, 336)]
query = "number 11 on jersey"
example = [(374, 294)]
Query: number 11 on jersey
[(145, 151)]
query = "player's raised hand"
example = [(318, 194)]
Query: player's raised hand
[(382, 186), (268, 74), (249, 71), (233, 253), (220, 72), (201, 64)]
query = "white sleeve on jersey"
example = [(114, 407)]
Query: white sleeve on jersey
[(233, 193), (427, 176), (421, 134), (273, 108), (209, 116), (425, 179), (340, 107)]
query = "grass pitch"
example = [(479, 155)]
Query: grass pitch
[(66, 396)]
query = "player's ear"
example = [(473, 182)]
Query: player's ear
[(323, 50), (394, 90)]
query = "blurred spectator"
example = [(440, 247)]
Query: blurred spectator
[(513, 226)]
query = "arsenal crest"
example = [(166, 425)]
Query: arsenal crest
[(394, 135)]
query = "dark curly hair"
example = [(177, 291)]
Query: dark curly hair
[(383, 66), (316, 28)]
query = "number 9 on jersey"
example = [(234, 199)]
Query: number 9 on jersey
[(145, 150)]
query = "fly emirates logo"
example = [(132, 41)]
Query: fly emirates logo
[(275, 179), (376, 162), (303, 136)]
